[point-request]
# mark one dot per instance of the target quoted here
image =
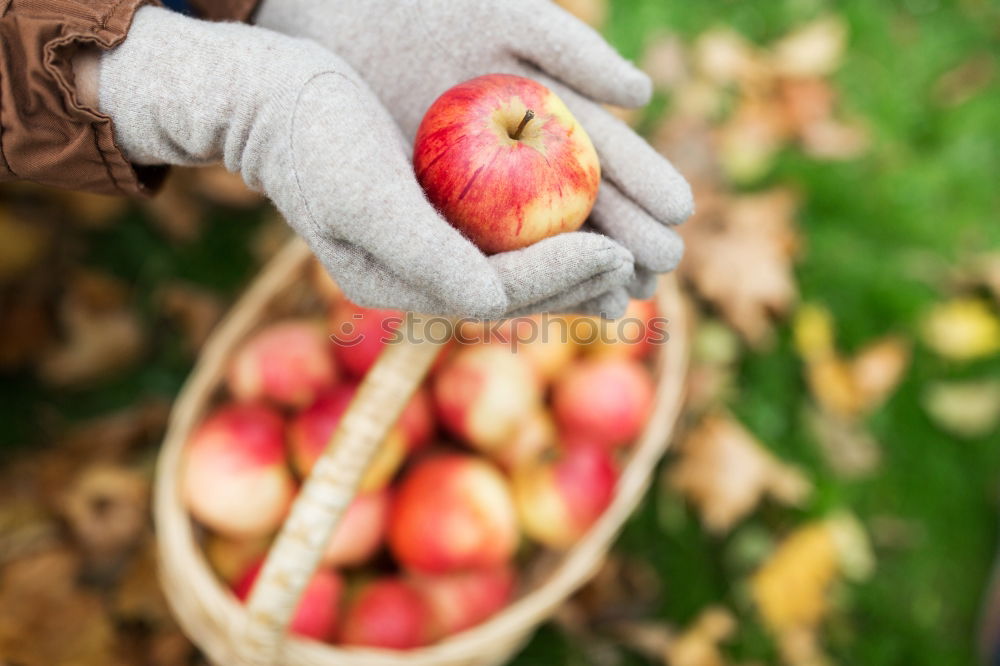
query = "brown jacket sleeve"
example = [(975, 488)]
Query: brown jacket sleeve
[(46, 134)]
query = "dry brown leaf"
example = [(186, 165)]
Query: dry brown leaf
[(174, 210), (93, 211), (749, 140), (47, 619), (814, 49), (224, 187), (686, 140), (849, 449), (741, 262), (698, 645), (834, 140), (967, 409), (22, 246), (726, 472), (724, 56), (27, 332), (665, 61), (98, 343), (194, 311), (591, 12), (106, 509), (878, 367), (965, 81)]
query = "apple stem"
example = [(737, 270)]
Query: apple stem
[(528, 115)]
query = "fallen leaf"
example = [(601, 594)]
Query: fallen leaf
[(741, 261), (812, 332), (749, 140), (48, 619), (106, 509), (97, 344), (834, 140), (968, 79), (93, 211), (22, 246), (224, 187), (665, 61), (962, 329), (847, 446), (878, 367), (174, 209), (194, 311), (698, 645), (791, 589), (724, 56), (726, 472), (814, 49), (964, 408), (591, 12)]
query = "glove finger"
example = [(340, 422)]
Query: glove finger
[(627, 160), (371, 199), (655, 246), (562, 270), (568, 49), (643, 285), (610, 305)]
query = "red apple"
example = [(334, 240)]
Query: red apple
[(557, 501), (462, 600), (630, 336), (361, 530), (387, 613), (605, 399), (311, 429), (417, 421), (484, 393), (360, 334), (534, 436), (452, 512), (317, 614), (235, 479), (505, 162), (289, 362)]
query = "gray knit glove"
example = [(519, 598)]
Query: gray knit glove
[(410, 51), (300, 125)]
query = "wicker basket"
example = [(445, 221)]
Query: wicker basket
[(230, 633)]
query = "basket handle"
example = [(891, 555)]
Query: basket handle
[(334, 480)]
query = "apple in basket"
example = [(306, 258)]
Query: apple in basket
[(452, 512), (288, 362), (317, 615), (558, 500), (387, 613), (505, 162), (235, 478)]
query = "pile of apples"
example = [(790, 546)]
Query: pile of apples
[(503, 450)]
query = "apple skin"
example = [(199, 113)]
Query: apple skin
[(483, 394), (289, 363), (534, 437), (310, 431), (462, 600), (558, 500), (631, 336), (364, 332), (505, 193), (417, 421), (317, 615), (361, 531), (387, 613), (452, 512), (235, 478), (605, 399)]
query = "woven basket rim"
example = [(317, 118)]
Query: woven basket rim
[(214, 619)]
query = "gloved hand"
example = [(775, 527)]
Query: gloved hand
[(300, 125), (410, 51)]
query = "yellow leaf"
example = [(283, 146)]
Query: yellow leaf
[(962, 329), (791, 588), (812, 330), (878, 368)]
